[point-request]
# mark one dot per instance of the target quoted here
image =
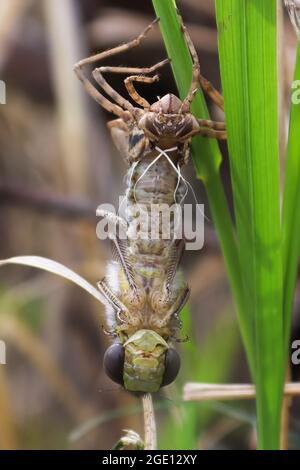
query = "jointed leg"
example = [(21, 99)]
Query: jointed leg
[(132, 91), (111, 107), (207, 132), (212, 92), (110, 91), (111, 297), (97, 96), (134, 70), (181, 301), (212, 133), (207, 128), (218, 126), (116, 50), (98, 75), (175, 310), (197, 78)]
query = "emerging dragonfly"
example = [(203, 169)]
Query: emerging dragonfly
[(144, 288)]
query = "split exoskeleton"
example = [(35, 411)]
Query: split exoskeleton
[(144, 289)]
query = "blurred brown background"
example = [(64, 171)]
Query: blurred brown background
[(57, 164)]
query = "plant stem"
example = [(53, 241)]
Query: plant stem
[(150, 439)]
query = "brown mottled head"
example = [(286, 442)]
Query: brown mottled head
[(166, 124), (168, 104)]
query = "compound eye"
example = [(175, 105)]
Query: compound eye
[(113, 362), (172, 366)]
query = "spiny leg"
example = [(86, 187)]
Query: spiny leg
[(97, 96), (176, 252), (111, 91), (120, 246), (98, 76), (120, 254), (212, 133), (134, 70), (197, 78), (121, 48), (207, 132), (210, 90), (132, 91), (176, 308), (104, 102), (120, 136), (218, 126), (112, 299)]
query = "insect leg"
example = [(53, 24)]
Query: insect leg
[(96, 95), (110, 90), (120, 246), (132, 91), (141, 71), (120, 136), (197, 78), (210, 90), (212, 133), (218, 126), (181, 301), (175, 310), (111, 297), (108, 105), (120, 253), (134, 70), (175, 257), (97, 74)]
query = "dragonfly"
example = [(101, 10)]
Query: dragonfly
[(144, 289)]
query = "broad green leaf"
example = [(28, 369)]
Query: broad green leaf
[(248, 59), (291, 219)]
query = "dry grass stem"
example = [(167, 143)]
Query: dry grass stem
[(204, 392), (11, 12), (25, 341), (149, 423), (8, 438), (63, 32)]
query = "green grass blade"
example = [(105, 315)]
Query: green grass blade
[(248, 58), (291, 219), (207, 159)]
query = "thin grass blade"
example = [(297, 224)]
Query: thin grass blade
[(55, 268)]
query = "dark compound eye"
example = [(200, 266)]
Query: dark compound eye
[(113, 362), (172, 366)]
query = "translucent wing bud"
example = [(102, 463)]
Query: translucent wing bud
[(293, 7)]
